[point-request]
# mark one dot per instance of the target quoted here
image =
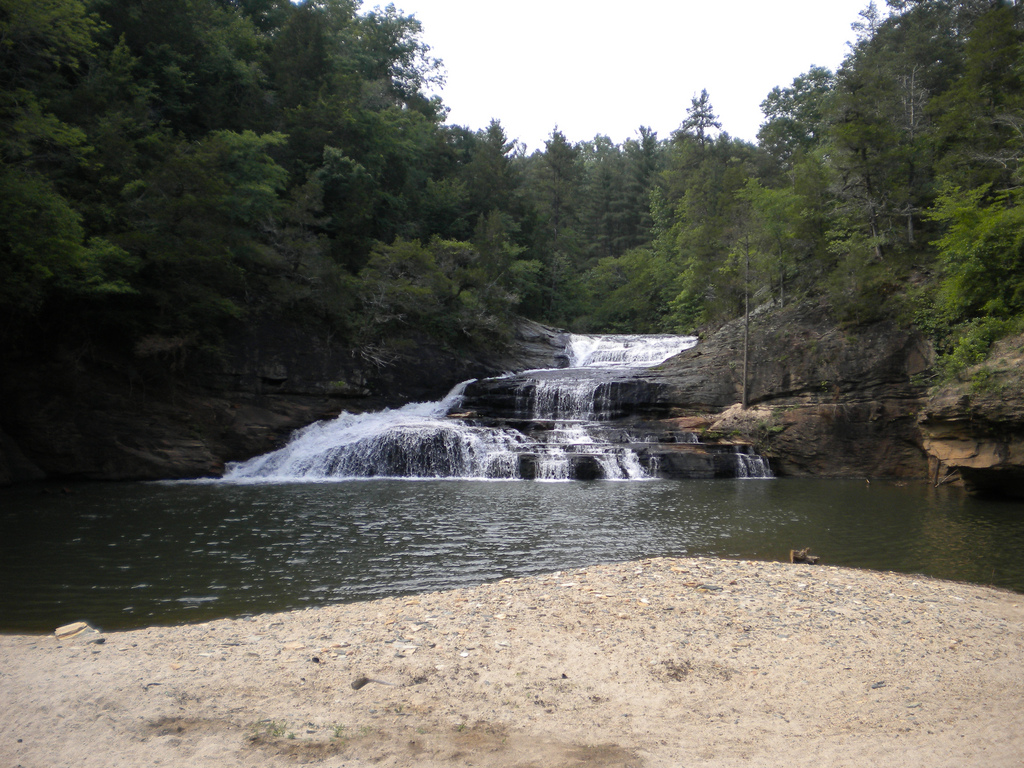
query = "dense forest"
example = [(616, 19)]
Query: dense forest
[(170, 169)]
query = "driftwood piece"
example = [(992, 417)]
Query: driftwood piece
[(360, 682), (803, 556)]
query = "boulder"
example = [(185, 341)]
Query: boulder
[(80, 632), (14, 465)]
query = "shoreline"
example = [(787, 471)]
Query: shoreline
[(656, 662), (100, 629)]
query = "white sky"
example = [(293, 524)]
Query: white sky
[(608, 68)]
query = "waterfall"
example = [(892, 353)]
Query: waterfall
[(571, 451), (751, 466), (560, 428), (578, 397), (624, 351), (416, 440), (420, 441), (572, 400)]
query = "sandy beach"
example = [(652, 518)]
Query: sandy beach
[(665, 662)]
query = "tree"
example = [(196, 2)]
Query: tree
[(881, 136), (980, 296), (437, 289), (981, 252), (603, 204), (701, 118), (196, 221), (632, 293), (979, 117), (770, 233), (557, 184), (795, 116), (559, 175), (644, 158), (393, 60), (863, 141), (203, 58), (44, 248), (882, 148), (42, 45), (304, 54), (491, 177), (44, 251), (871, 20), (702, 186)]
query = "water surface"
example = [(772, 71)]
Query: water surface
[(136, 554)]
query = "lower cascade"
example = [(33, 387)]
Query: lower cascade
[(552, 424)]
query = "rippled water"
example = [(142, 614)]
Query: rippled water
[(127, 555)]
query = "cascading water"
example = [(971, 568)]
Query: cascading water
[(416, 440), (750, 465), (559, 429), (624, 351), (576, 394), (576, 400)]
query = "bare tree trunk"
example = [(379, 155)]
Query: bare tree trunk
[(782, 278), (879, 255), (746, 324)]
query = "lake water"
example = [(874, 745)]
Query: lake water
[(137, 554)]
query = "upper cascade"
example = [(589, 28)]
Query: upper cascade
[(624, 351)]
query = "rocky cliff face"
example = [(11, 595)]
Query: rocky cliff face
[(848, 402), (825, 401), (974, 429)]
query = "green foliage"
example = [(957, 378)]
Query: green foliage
[(701, 118), (771, 233), (273, 729), (141, 160), (968, 345), (701, 218), (170, 167), (43, 248), (980, 295), (979, 116), (196, 218), (795, 116), (859, 284), (632, 293), (526, 281), (981, 253), (439, 290)]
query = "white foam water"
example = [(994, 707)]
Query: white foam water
[(750, 466), (416, 440), (625, 351)]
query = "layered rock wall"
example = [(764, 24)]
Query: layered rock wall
[(823, 401), (127, 419)]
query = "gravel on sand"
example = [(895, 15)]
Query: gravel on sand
[(661, 662)]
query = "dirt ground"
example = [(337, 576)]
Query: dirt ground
[(666, 662)]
